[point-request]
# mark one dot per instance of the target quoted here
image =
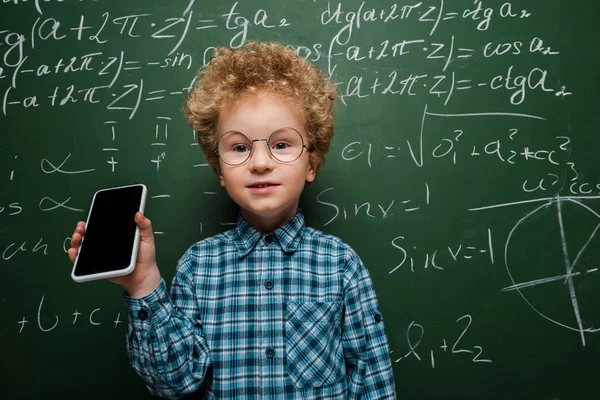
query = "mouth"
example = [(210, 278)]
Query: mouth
[(263, 185)]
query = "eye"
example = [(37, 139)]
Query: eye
[(240, 148), (280, 146)]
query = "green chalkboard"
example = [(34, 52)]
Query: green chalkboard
[(464, 171)]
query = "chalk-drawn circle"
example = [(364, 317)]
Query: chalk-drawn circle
[(557, 277)]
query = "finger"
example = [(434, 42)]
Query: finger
[(72, 254), (118, 280), (145, 226), (75, 240)]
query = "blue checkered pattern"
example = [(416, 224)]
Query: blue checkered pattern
[(290, 314)]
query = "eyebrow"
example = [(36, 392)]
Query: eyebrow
[(269, 132)]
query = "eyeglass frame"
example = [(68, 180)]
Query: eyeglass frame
[(267, 140)]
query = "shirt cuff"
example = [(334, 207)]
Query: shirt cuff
[(149, 311)]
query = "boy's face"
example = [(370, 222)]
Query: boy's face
[(270, 206)]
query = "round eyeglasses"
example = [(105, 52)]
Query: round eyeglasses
[(285, 145)]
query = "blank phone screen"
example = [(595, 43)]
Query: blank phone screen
[(110, 231)]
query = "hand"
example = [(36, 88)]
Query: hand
[(146, 276)]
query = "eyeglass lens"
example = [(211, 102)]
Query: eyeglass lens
[(285, 144)]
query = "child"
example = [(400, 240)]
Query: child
[(271, 308)]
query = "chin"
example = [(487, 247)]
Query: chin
[(269, 212)]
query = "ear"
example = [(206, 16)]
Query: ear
[(219, 172), (218, 168), (311, 173)]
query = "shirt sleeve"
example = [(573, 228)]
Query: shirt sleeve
[(366, 351), (164, 339)]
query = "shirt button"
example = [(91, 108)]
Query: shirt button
[(270, 353), (377, 317), (142, 315), (269, 284), (270, 239)]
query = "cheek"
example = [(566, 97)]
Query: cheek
[(232, 178)]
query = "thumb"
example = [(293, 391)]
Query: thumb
[(145, 226)]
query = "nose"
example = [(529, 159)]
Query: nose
[(260, 158)]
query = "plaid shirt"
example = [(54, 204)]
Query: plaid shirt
[(290, 314)]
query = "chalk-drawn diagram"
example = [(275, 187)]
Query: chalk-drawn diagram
[(563, 270)]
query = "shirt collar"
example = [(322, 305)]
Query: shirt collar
[(289, 236)]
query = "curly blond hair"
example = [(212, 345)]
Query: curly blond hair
[(261, 66)]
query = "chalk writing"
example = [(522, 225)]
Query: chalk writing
[(463, 168), (415, 334)]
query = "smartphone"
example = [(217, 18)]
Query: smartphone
[(110, 244)]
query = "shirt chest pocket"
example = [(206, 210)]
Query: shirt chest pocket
[(314, 343)]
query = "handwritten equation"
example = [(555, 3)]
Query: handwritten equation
[(457, 346)]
